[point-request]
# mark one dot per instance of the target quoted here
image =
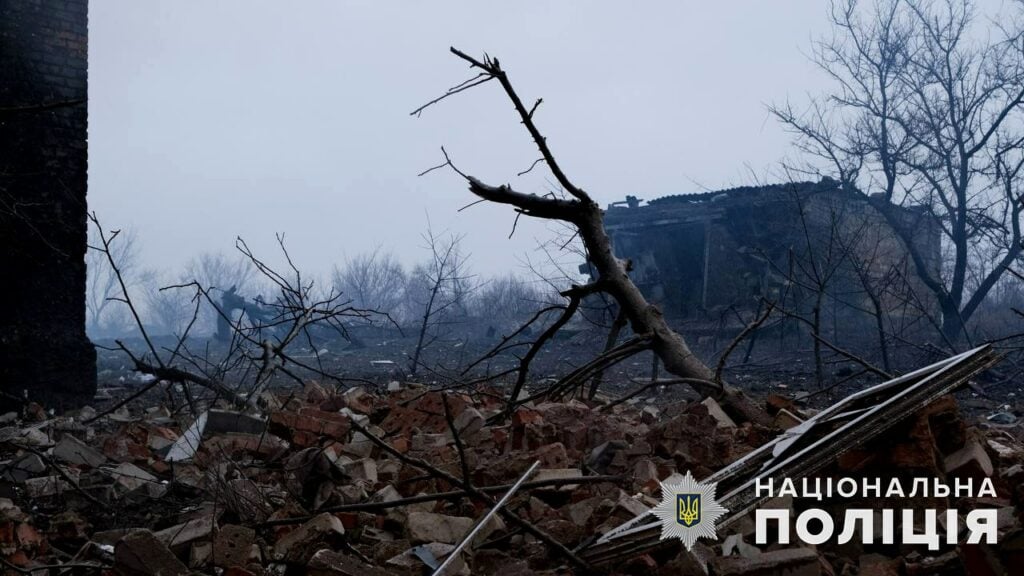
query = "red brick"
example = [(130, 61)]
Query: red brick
[(524, 416)]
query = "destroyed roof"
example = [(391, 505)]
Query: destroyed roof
[(751, 192)]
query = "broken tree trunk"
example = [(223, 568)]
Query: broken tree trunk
[(581, 210), (644, 318)]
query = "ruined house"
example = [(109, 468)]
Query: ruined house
[(700, 254), (43, 165)]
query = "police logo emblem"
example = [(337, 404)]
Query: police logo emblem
[(688, 510)]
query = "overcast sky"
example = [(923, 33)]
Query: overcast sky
[(210, 120)]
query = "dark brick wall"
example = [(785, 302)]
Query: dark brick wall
[(43, 166)]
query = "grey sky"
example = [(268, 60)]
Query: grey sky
[(215, 119)]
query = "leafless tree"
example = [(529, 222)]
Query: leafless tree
[(437, 292), (927, 112), (256, 352), (102, 286), (373, 281), (814, 264), (169, 311), (506, 300), (218, 272)]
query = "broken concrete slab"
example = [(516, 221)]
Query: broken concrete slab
[(734, 543), (298, 546), (364, 470), (179, 536), (74, 451), (360, 446), (184, 448), (22, 467), (211, 423), (971, 461), (232, 546), (46, 486), (358, 400), (716, 412), (425, 527), (601, 457), (331, 563), (129, 476), (143, 554), (426, 442), (785, 419), (225, 421), (200, 554), (469, 422), (557, 474)]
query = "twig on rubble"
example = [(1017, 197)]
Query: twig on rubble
[(124, 401), (479, 495), (449, 495), (487, 517), (457, 438), (653, 383), (602, 362), (46, 567), (173, 374), (739, 338), (60, 471)]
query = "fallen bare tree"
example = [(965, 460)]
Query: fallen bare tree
[(580, 210)]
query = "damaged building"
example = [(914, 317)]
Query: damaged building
[(700, 254), (44, 352)]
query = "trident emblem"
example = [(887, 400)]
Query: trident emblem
[(689, 509)]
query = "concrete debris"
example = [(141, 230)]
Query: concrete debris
[(22, 468), (430, 527), (46, 486), (129, 476), (179, 536), (558, 473), (232, 546), (784, 419), (971, 461), (716, 412), (149, 490), (330, 563), (143, 554), (734, 544), (299, 545), (74, 451)]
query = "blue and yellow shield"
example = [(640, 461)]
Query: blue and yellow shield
[(688, 509)]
